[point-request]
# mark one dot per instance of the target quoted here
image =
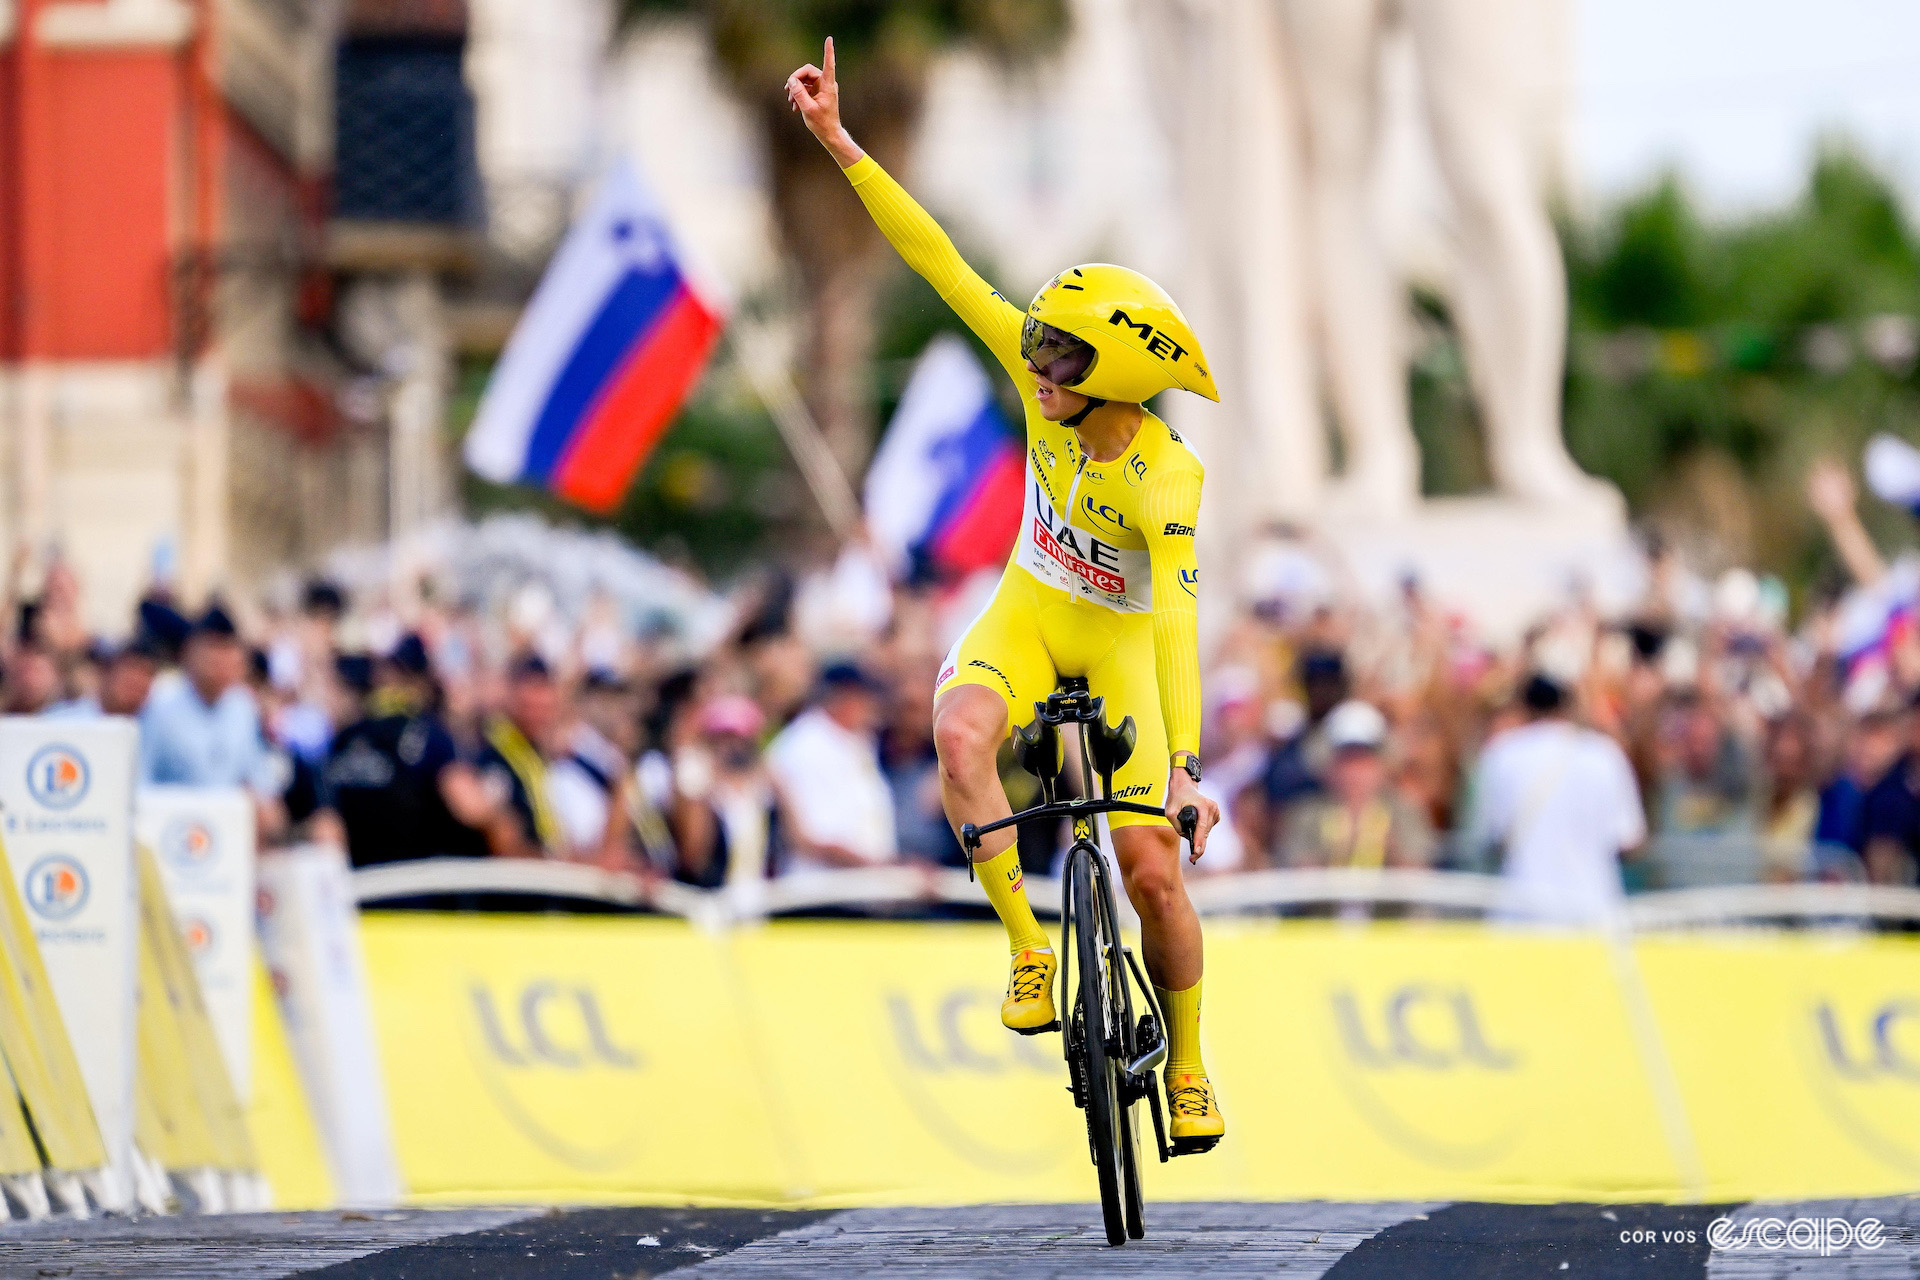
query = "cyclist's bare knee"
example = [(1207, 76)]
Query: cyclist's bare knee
[(1150, 864), (969, 723)]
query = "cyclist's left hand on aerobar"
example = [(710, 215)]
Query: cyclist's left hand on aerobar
[(1181, 792)]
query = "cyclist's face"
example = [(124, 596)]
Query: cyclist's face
[(1057, 361), (1055, 402)]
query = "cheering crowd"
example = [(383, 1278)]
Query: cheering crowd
[(1703, 738)]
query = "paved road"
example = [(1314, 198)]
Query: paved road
[(1027, 1242)]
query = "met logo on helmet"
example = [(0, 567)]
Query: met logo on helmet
[(57, 776), (1158, 343)]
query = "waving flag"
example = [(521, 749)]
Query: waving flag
[(944, 490), (602, 358)]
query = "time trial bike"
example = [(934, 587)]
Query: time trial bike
[(1113, 1059)]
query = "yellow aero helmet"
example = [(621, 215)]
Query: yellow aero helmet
[(1141, 344)]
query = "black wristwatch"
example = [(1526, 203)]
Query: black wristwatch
[(1191, 764)]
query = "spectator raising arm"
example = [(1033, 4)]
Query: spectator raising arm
[(1831, 494)]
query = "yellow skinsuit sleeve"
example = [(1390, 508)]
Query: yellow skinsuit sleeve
[(918, 239), (1169, 510)]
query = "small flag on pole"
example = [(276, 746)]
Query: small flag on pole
[(944, 490), (602, 358)]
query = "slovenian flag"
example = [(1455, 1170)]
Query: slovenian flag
[(944, 492), (610, 345)]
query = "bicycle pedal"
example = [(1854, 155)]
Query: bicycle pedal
[(1036, 1031), (1195, 1146)]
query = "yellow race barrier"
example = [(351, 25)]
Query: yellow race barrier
[(571, 1059), (187, 1115), (863, 1063), (33, 1039), (279, 1116), (1798, 1058)]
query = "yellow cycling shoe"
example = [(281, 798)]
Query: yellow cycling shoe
[(1028, 1007), (1197, 1122)]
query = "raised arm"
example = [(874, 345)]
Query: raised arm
[(815, 94)]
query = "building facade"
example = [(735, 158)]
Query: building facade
[(176, 397)]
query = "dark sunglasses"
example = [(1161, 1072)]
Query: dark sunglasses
[(1057, 356)]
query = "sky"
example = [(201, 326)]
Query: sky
[(1735, 93)]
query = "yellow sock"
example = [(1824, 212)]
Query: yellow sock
[(1007, 890), (1183, 1030)]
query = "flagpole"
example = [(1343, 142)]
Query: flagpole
[(759, 358)]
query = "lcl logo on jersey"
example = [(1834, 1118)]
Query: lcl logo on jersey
[(188, 843), (57, 887), (57, 776), (1101, 511)]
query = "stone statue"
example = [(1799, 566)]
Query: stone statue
[(1478, 62)]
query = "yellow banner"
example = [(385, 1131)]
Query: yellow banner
[(564, 1058), (828, 1063), (1798, 1059), (1430, 1061)]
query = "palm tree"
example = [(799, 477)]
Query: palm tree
[(885, 50)]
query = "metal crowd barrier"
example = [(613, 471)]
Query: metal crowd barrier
[(885, 890)]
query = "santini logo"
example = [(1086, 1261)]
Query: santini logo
[(1175, 529)]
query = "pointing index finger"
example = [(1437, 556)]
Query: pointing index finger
[(829, 61)]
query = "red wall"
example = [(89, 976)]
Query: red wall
[(99, 218), (98, 161)]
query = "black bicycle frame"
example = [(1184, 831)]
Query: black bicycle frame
[(1074, 707)]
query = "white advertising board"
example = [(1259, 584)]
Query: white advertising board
[(310, 934), (203, 839), (66, 808)]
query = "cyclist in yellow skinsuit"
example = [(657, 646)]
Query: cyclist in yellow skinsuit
[(1102, 584)]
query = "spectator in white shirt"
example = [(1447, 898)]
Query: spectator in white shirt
[(834, 799), (1561, 802)]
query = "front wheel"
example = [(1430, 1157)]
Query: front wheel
[(1093, 1014)]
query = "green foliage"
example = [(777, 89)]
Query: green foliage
[(1702, 350)]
